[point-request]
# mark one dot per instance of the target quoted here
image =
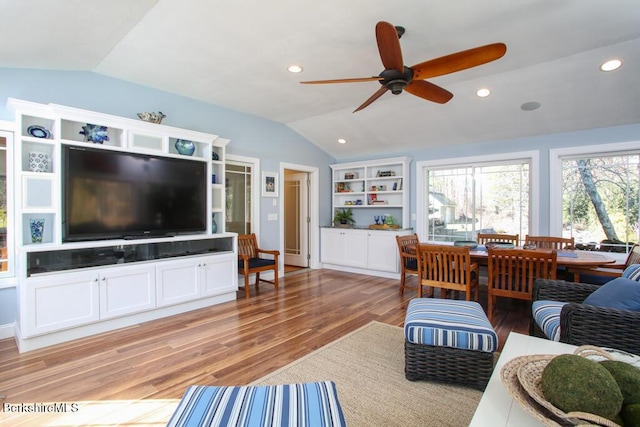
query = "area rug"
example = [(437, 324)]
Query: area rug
[(367, 366)]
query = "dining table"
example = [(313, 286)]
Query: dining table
[(566, 257)]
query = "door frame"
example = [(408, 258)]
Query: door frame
[(314, 210), (301, 177), (255, 188)]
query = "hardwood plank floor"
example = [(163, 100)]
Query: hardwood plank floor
[(232, 343)]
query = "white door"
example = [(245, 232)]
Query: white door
[(296, 219)]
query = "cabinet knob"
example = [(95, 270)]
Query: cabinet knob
[(95, 279), (103, 279)]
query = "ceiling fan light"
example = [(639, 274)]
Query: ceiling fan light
[(483, 92), (610, 65), (342, 141), (396, 86)]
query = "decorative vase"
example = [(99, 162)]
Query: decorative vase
[(214, 156), (214, 226), (37, 230), (185, 147)]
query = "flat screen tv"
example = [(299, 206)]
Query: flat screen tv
[(115, 195)]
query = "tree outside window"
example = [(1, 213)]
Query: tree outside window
[(601, 201)]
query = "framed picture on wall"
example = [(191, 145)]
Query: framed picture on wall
[(269, 184)]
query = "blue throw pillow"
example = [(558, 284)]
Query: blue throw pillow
[(620, 293)]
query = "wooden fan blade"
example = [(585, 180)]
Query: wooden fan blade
[(389, 46), (372, 98), (428, 91), (354, 80), (458, 61)]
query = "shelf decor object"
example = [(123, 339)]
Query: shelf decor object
[(97, 134), (39, 132), (152, 117), (185, 147), (38, 161), (37, 230)]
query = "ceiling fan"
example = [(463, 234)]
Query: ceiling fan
[(397, 77)]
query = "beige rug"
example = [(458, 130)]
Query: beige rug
[(367, 366)]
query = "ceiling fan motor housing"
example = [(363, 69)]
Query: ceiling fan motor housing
[(395, 81)]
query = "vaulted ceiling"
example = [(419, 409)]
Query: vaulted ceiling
[(235, 53)]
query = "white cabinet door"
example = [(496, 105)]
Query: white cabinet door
[(219, 274), (382, 251), (178, 281), (344, 247), (60, 302), (332, 246), (126, 290), (355, 248)]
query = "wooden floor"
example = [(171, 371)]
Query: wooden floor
[(232, 343)]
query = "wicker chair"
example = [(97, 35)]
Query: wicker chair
[(582, 324), (609, 272), (250, 261), (408, 260), (550, 242), (447, 267), (513, 271), (498, 237)]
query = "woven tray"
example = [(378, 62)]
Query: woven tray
[(521, 377), (384, 226)]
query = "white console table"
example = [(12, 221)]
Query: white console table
[(497, 407)]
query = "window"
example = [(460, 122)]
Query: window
[(241, 183), (486, 194), (599, 197)]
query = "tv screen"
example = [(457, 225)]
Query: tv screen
[(110, 195)]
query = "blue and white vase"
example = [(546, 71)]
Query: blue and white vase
[(36, 227)]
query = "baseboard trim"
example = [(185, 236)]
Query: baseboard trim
[(7, 331)]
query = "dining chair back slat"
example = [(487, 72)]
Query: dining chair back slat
[(448, 268), (550, 242), (408, 260), (511, 272), (498, 237)]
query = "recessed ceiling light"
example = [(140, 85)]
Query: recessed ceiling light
[(612, 64), (342, 141), (483, 93), (530, 106), (295, 69)]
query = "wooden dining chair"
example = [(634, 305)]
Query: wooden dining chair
[(608, 272), (448, 268), (550, 242), (484, 238), (250, 261), (407, 246), (513, 271)]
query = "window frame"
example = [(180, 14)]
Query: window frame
[(557, 155), (7, 278), (422, 167)]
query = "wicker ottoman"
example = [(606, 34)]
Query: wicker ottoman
[(450, 341), (312, 404)]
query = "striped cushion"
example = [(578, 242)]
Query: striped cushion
[(307, 404), (547, 315), (449, 323), (632, 272)]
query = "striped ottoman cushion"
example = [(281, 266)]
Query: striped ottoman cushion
[(449, 323), (307, 404), (547, 315)]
